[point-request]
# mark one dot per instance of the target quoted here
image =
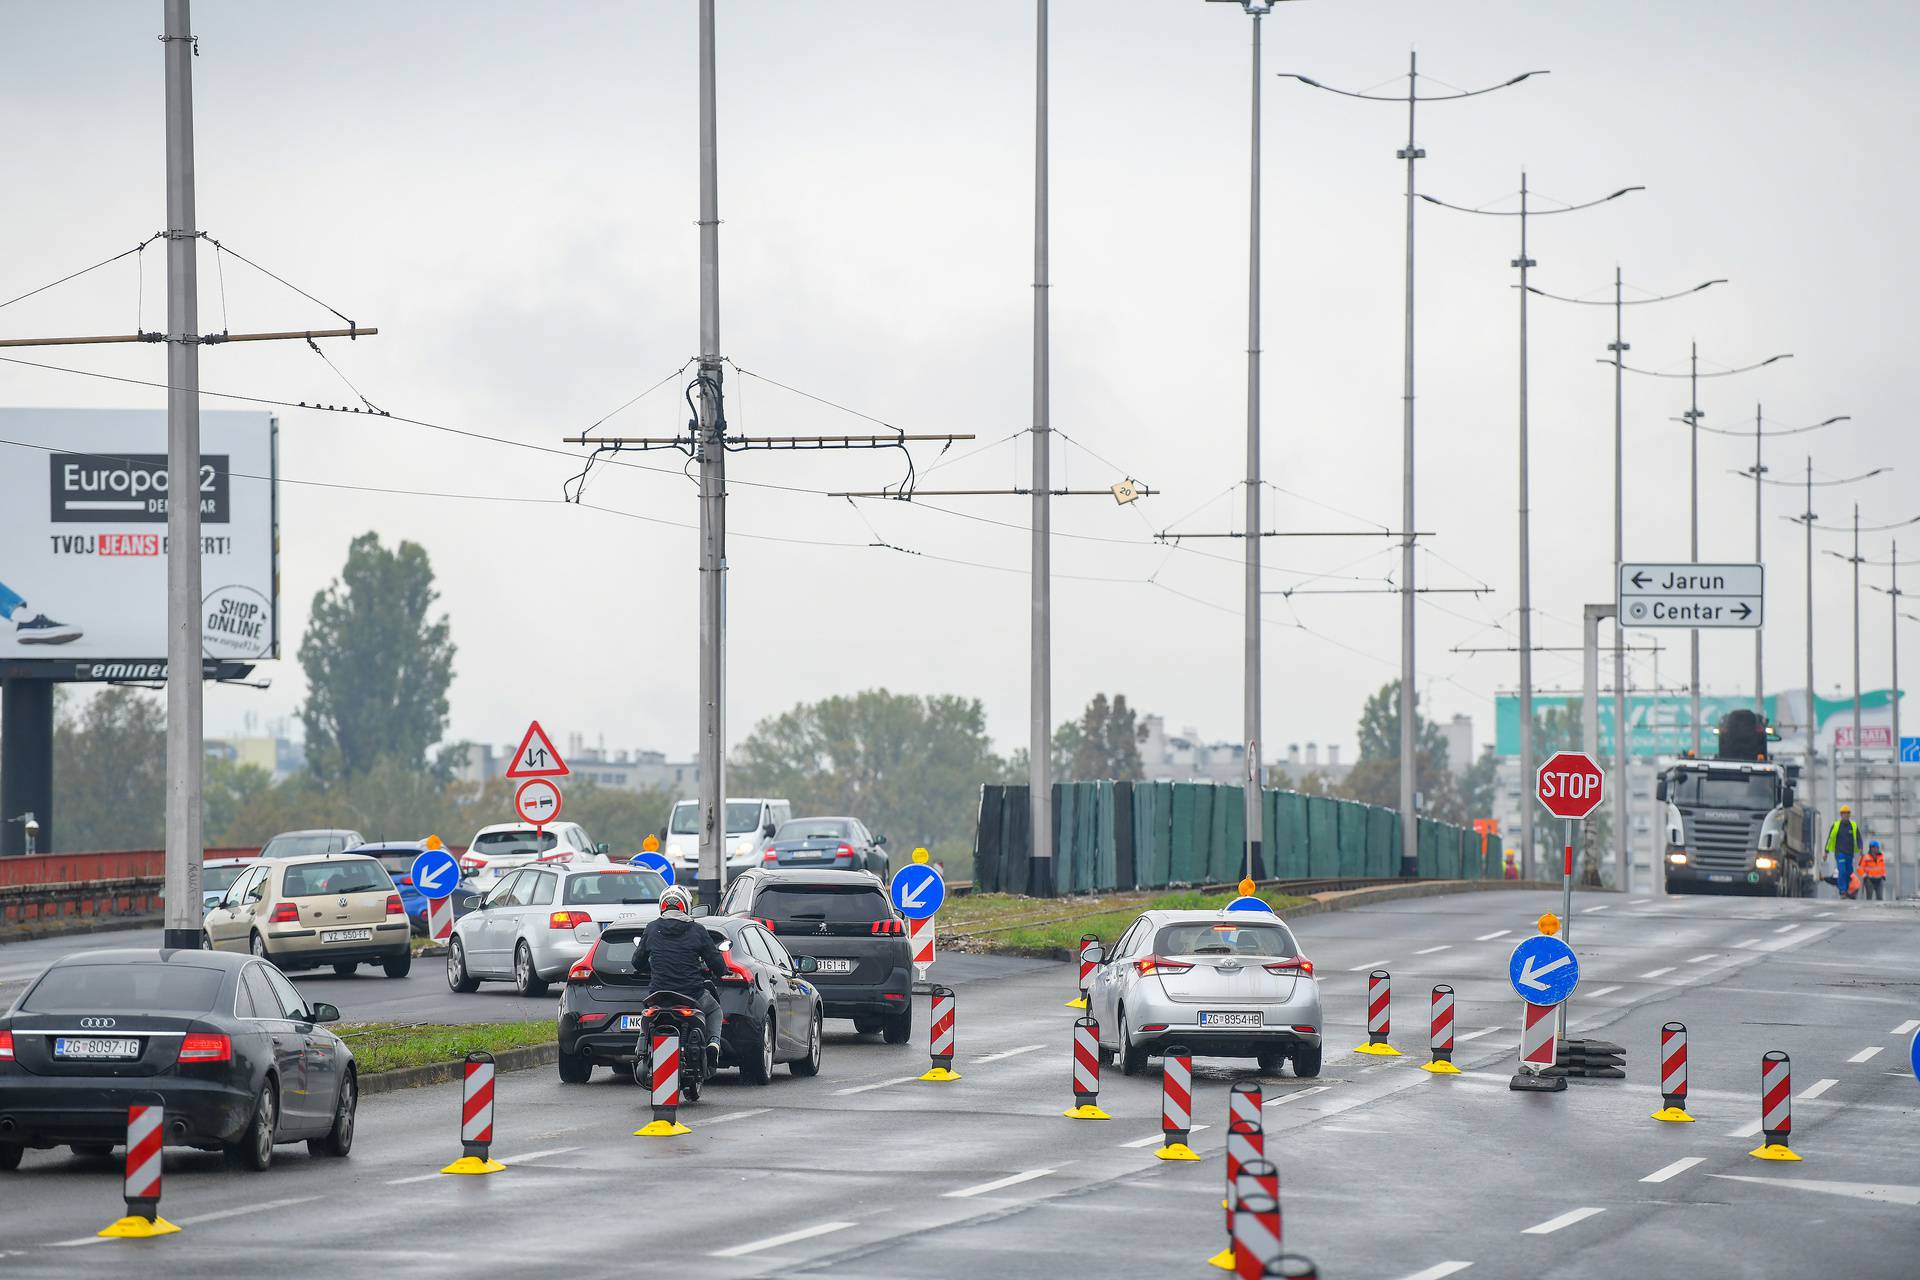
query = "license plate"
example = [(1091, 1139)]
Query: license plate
[(347, 935), (64, 1047), (836, 966), (808, 855), (1720, 879), (633, 1022), (1212, 1019)]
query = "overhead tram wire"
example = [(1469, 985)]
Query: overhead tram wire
[(75, 275)]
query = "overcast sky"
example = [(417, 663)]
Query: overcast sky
[(509, 192)]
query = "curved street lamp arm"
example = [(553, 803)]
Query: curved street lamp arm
[(1624, 302), (1311, 83), (1765, 435), (1531, 213), (1865, 528), (1716, 373)]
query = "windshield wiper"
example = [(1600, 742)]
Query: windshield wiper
[(1212, 951)]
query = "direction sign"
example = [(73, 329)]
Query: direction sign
[(537, 801), (537, 757), (652, 861), (1910, 750), (917, 890), (1543, 970), (1692, 595), (435, 873), (1571, 785), (1249, 904)]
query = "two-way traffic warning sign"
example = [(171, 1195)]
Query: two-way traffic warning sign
[(537, 757)]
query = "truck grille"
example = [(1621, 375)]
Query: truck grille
[(1719, 844)]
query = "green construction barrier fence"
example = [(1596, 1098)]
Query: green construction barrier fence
[(1323, 837), (1353, 838), (1383, 842)]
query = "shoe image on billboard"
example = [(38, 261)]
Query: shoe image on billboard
[(40, 629)]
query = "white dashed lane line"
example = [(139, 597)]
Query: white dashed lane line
[(1604, 991), (1748, 1130), (1817, 1088), (736, 1115), (1786, 928), (1010, 1053), (1430, 950), (1474, 1035), (1674, 1169), (1011, 1180), (1658, 973), (1440, 1271), (1702, 959), (774, 1242), (1371, 964), (1161, 1137), (1866, 1053), (1488, 937), (868, 1088), (1587, 911), (1907, 1027), (1566, 1219)]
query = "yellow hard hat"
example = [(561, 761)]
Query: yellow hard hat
[(1846, 808)]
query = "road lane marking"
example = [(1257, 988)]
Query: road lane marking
[(774, 1242), (1566, 1219), (1677, 1167), (1817, 1088), (1658, 973), (1886, 1193), (1371, 964), (1641, 902), (418, 1177), (237, 1211), (1604, 991), (1440, 1270), (1587, 911), (1910, 1025), (1786, 928), (868, 1088), (1160, 1137), (1430, 950), (1297, 1093), (1009, 1053), (1489, 937), (1701, 959), (1011, 1180), (1866, 1053), (541, 1155), (1747, 1130), (1475, 1035), (734, 1115)]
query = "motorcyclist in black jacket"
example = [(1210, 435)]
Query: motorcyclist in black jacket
[(680, 956)]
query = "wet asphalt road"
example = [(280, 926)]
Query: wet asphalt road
[(1387, 1171)]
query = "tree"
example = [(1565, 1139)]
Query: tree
[(110, 772), (1479, 788), (1375, 779), (1380, 727), (622, 819), (377, 667), (1103, 745), (909, 767), (1123, 742)]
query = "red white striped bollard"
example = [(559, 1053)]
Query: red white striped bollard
[(1086, 1072), (1440, 1036), (146, 1125), (940, 1037), (1537, 1052), (1246, 1144), (1673, 1074), (1176, 1105), (1776, 1107), (440, 919), (1089, 953), (1256, 1232), (476, 1117), (664, 1057), (1379, 1015)]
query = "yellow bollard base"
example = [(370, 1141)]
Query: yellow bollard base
[(661, 1129), (1382, 1050), (1673, 1115), (1077, 1002), (1087, 1112), (1177, 1151), (138, 1228), (1222, 1259), (1440, 1068), (1773, 1151), (474, 1164), (941, 1075)]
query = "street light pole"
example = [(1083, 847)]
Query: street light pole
[(1251, 613), (1040, 690), (711, 875)]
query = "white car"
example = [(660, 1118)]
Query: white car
[(508, 846), (538, 920), (750, 823)]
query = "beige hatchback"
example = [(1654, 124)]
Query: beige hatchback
[(337, 909)]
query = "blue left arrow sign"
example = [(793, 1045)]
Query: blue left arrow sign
[(917, 891), (1543, 970), (435, 873)]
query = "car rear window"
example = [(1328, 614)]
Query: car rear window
[(302, 845), (614, 887), (318, 878), (833, 903), (124, 988), (814, 829), (615, 952), (496, 844), (1224, 937), (217, 879)]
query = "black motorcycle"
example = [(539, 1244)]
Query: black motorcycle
[(672, 1011)]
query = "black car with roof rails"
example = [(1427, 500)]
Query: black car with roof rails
[(230, 1047), (844, 920)]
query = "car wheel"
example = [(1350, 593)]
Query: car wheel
[(206, 941), (1306, 1061), (898, 1027), (1272, 1060), (344, 969), (92, 1150), (867, 1026), (254, 1150), (399, 966), (1132, 1061), (10, 1154), (809, 1065), (258, 945), (575, 1068), (526, 979), (458, 979), (757, 1068), (339, 1139)]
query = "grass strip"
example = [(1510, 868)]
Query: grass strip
[(381, 1047)]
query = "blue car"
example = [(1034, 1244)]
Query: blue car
[(397, 857)]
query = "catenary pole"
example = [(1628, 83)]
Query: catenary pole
[(1251, 732), (1813, 701), (1693, 537), (1527, 850), (186, 750), (1622, 864), (1759, 648), (712, 871), (1859, 790), (1409, 739), (1899, 797), (1040, 694)]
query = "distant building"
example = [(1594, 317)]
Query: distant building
[(1186, 757), (625, 770), (276, 755), (1458, 733)]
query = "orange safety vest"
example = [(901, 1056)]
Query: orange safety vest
[(1873, 865)]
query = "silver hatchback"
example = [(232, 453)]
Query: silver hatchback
[(536, 921), (1224, 984)]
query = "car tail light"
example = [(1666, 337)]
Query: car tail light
[(844, 851), (1147, 966), (394, 907), (891, 996), (769, 856), (737, 973), (1298, 964), (471, 865), (582, 969), (1306, 1031), (568, 919), (6, 1046), (765, 922), (284, 913), (206, 1046), (888, 928), (592, 1019), (406, 880), (1155, 1026)]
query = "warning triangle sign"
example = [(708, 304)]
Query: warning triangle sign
[(537, 756)]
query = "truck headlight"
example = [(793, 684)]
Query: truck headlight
[(1764, 864), (1677, 859)]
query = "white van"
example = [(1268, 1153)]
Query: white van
[(750, 824)]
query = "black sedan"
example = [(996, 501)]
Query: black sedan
[(840, 843), (226, 1042), (772, 1013)]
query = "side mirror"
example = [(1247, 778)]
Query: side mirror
[(1096, 953), (878, 841), (472, 902), (601, 848), (767, 830), (806, 964), (1660, 789), (323, 1012), (1786, 797)]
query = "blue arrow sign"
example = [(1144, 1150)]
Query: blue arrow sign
[(1909, 750), (435, 873), (918, 890), (655, 862), (1913, 1053), (1543, 970), (1250, 904)]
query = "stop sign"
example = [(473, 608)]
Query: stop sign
[(1570, 785)]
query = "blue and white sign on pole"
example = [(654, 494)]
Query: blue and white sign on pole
[(1913, 1053), (435, 873), (1250, 904), (1543, 970), (1909, 750), (918, 891), (655, 862)]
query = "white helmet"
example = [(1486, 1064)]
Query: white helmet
[(675, 899)]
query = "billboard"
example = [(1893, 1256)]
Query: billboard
[(83, 548), (1663, 725)]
